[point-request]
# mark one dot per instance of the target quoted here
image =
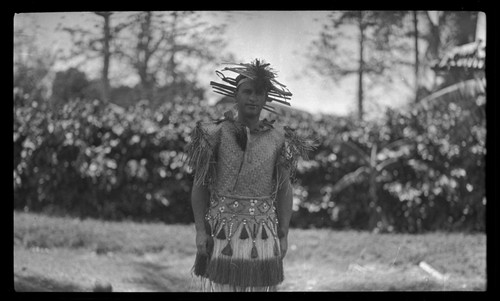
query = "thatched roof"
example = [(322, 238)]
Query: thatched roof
[(469, 56)]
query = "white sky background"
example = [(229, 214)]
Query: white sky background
[(279, 37)]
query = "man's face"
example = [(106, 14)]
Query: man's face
[(249, 101)]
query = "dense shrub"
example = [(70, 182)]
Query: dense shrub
[(436, 183), (90, 159), (97, 160)]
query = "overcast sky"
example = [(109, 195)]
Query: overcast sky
[(279, 37)]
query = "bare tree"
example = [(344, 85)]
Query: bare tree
[(106, 53), (33, 66), (89, 44), (162, 45), (361, 68), (415, 38), (331, 56)]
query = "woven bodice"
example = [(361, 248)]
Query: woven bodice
[(249, 172), (244, 171)]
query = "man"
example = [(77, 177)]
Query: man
[(242, 196)]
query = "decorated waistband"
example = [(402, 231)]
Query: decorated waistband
[(251, 206)]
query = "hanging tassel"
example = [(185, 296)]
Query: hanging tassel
[(241, 136), (254, 252), (214, 228), (264, 233), (222, 234), (228, 251), (244, 233), (276, 250)]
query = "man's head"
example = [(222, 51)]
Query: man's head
[(251, 95), (255, 85)]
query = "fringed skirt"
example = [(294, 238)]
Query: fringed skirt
[(246, 252)]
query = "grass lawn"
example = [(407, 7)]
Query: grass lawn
[(64, 254)]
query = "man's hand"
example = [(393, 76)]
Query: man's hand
[(204, 243), (283, 246)]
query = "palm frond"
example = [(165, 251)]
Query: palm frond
[(398, 143), (351, 146), (356, 176), (386, 163), (470, 88)]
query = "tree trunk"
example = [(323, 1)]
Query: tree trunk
[(434, 40), (415, 27), (144, 56), (372, 189), (172, 66), (106, 54), (361, 66), (373, 204)]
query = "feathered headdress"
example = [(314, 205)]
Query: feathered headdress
[(258, 71)]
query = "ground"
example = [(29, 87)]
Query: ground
[(62, 254)]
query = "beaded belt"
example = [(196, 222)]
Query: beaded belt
[(236, 209), (230, 220), (251, 206)]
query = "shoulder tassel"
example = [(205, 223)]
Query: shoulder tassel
[(200, 155), (295, 146)]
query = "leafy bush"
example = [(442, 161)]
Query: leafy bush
[(94, 160), (90, 159), (437, 181)]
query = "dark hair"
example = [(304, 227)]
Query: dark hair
[(261, 85)]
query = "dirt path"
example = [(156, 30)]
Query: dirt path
[(78, 270)]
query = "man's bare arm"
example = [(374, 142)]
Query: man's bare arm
[(200, 196), (284, 210)]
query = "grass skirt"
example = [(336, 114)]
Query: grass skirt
[(246, 254)]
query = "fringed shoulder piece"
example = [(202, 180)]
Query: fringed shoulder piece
[(201, 152), (294, 147)]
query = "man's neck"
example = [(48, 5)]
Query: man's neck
[(251, 122)]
